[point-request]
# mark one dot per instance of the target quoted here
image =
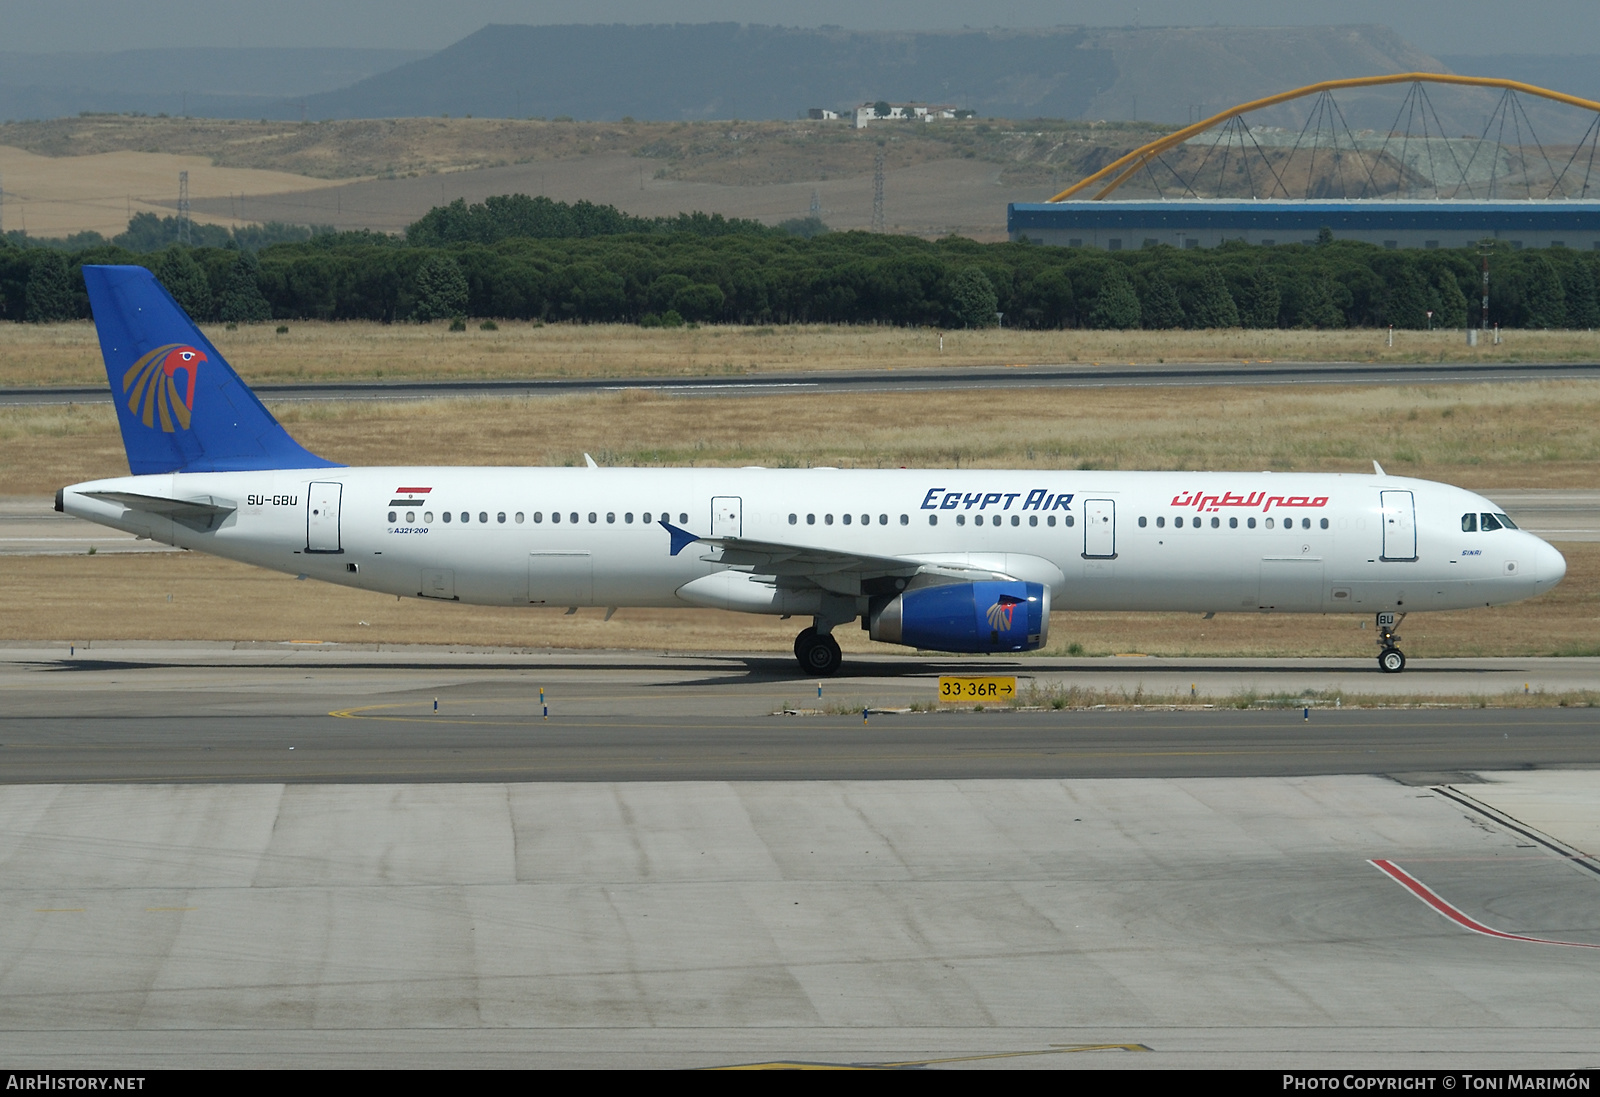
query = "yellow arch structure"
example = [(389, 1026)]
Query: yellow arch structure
[(1134, 162)]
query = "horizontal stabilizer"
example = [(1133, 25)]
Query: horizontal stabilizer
[(167, 508), (199, 514)]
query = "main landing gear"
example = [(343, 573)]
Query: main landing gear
[(1391, 660), (818, 653)]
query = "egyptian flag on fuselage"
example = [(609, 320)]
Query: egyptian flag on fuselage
[(409, 497)]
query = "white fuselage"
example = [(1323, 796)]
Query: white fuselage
[(1247, 542)]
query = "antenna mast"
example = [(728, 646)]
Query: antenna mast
[(183, 207)]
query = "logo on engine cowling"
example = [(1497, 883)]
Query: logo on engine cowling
[(152, 392), (1001, 613)]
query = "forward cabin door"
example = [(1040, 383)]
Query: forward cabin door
[(1099, 529), (322, 517), (726, 516), (1399, 516)]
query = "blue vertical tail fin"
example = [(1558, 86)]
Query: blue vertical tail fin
[(180, 405)]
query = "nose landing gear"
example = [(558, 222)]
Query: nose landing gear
[(1391, 660), (818, 653)]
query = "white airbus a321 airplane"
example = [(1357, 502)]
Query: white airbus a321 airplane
[(971, 561)]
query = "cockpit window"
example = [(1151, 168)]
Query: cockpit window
[(1506, 522), (1469, 523), (1489, 522)]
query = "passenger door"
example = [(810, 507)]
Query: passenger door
[(322, 517), (1399, 516), (1099, 529)]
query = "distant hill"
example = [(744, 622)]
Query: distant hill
[(727, 70), (208, 83), (1575, 74)]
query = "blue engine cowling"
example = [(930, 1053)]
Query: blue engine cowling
[(997, 615)]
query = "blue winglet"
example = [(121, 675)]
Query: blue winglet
[(681, 538), (180, 405)]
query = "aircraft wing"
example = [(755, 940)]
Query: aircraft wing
[(820, 565)]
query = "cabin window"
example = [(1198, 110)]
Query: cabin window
[(683, 519), (1233, 523), (611, 517), (1269, 523), (1050, 520), (501, 518), (411, 516), (961, 519), (427, 517), (391, 516), (573, 518), (1324, 523), (1216, 523), (645, 518), (555, 516), (1143, 521), (933, 519), (1488, 523), (628, 517), (866, 519), (883, 519), (905, 519), (538, 517), (518, 518), (1033, 520), (447, 516), (793, 518), (593, 517), (1251, 522), (811, 519), (1161, 523), (827, 519), (1015, 521), (847, 519), (1178, 522), (1069, 520)]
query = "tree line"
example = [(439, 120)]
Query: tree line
[(521, 258)]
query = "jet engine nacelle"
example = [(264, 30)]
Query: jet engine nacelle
[(997, 615)]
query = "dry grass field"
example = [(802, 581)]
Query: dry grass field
[(187, 596), (384, 174), (1535, 435), (68, 354), (56, 196), (737, 153)]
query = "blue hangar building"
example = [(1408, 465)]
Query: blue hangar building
[(1206, 222)]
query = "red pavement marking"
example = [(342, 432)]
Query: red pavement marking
[(1423, 892)]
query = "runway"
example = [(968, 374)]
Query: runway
[(895, 380), (405, 717), (671, 873)]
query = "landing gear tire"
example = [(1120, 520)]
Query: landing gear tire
[(806, 637), (1391, 660), (818, 655)]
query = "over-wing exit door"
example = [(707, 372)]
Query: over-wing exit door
[(726, 516)]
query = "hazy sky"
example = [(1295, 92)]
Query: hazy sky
[(1439, 26)]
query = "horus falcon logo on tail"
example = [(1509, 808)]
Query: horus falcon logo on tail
[(152, 390)]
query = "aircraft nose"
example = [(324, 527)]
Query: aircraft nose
[(1550, 566)]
